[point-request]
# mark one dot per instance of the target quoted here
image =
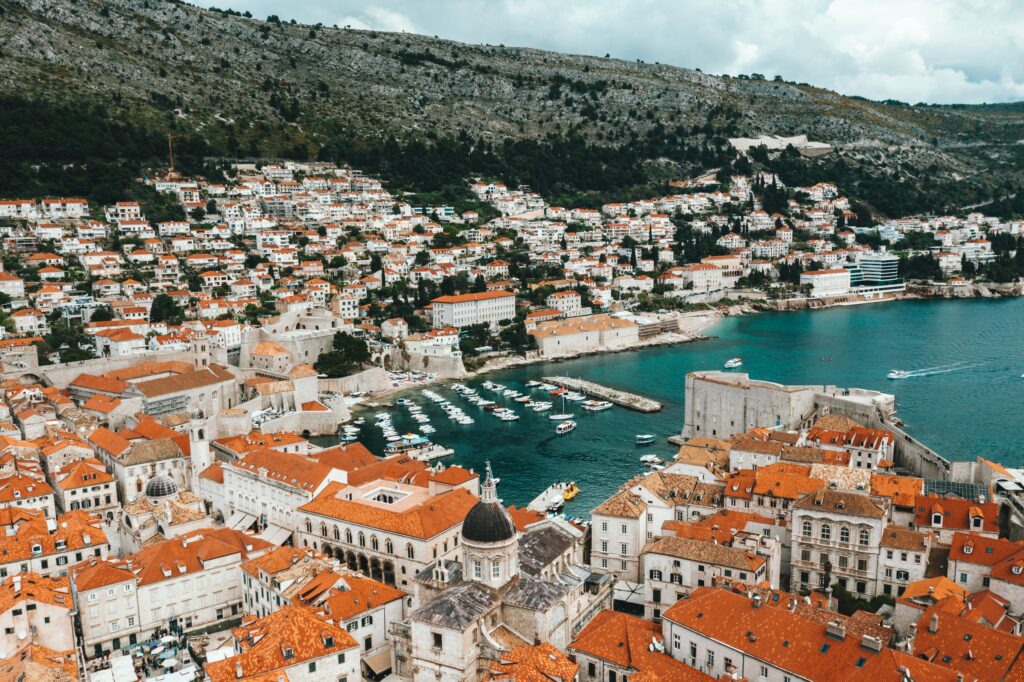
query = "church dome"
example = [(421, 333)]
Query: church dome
[(488, 521), (161, 485)]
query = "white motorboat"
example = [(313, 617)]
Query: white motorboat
[(565, 427), (651, 460), (560, 417), (733, 363), (596, 405), (898, 374)]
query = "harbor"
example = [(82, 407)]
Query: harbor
[(836, 346), (625, 399)]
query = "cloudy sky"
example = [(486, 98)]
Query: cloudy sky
[(938, 51)]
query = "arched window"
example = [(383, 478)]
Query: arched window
[(865, 536), (374, 544), (388, 547), (826, 532), (362, 539), (323, 529), (348, 535), (336, 532), (409, 551), (309, 526), (844, 534), (807, 529)]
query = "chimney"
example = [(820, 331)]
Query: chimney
[(836, 629), (238, 670), (871, 643), (933, 626), (757, 601)]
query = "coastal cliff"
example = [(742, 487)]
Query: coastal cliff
[(972, 290)]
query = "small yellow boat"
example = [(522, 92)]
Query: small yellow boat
[(572, 491)]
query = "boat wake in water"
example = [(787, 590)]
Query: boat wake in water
[(928, 371)]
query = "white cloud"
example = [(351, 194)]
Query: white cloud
[(912, 50), (379, 19)]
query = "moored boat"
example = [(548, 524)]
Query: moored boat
[(571, 492)]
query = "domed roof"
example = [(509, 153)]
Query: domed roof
[(161, 485), (488, 521)]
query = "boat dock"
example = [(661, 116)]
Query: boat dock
[(612, 395), (551, 493)]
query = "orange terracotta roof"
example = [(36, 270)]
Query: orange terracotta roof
[(425, 520), (363, 594), (624, 641), (290, 469), (32, 587), (791, 641), (481, 296), (214, 472), (74, 530), (103, 384), (538, 663), (83, 473), (294, 630), (188, 553), (101, 403), (960, 645), (524, 517), (956, 512)]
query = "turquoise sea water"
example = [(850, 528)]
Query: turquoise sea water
[(976, 409)]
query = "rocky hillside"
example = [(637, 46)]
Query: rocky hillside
[(248, 86)]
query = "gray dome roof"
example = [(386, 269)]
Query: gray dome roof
[(488, 522), (161, 485)]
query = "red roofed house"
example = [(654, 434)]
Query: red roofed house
[(617, 646), (487, 307), (725, 633), (294, 644), (947, 515), (979, 563), (267, 486), (192, 581)]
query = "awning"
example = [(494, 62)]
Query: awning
[(240, 521), (275, 535), (380, 661)]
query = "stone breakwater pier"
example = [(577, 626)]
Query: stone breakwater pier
[(612, 395)]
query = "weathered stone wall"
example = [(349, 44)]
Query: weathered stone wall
[(720, 405), (444, 367), (373, 379), (63, 374)]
